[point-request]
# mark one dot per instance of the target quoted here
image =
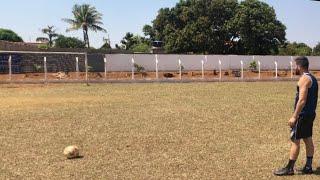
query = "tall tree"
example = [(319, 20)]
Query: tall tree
[(8, 35), (107, 44), (194, 26), (85, 17), (127, 42), (316, 50), (130, 40), (51, 32), (256, 28), (149, 32)]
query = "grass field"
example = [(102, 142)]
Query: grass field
[(148, 131)]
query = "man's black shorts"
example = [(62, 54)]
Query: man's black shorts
[(303, 128)]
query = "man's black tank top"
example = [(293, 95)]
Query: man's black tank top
[(312, 98)]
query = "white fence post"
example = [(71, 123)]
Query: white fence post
[(276, 66), (220, 72), (86, 66), (180, 69), (45, 69), (291, 64), (77, 68), (202, 68), (105, 67), (241, 62), (259, 68), (206, 60), (157, 62), (10, 67), (132, 68), (291, 67)]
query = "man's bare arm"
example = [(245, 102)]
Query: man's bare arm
[(304, 84)]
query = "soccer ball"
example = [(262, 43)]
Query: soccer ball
[(71, 152)]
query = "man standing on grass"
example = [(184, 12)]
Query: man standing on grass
[(301, 122)]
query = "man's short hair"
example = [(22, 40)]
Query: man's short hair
[(302, 61)]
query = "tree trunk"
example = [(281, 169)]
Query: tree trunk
[(85, 36), (50, 41), (88, 39)]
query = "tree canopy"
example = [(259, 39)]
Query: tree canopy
[(86, 17), (135, 43), (316, 50), (295, 49), (9, 35), (106, 45), (68, 42), (51, 32), (256, 25), (218, 27)]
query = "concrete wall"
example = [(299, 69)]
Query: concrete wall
[(122, 62)]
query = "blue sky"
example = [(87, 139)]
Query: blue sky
[(27, 17)]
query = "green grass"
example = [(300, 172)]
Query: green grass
[(147, 131)]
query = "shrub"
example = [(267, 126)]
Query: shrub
[(138, 67), (37, 68), (43, 46), (90, 69), (141, 48), (253, 65)]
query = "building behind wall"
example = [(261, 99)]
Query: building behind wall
[(157, 47)]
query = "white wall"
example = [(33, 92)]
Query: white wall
[(122, 62)]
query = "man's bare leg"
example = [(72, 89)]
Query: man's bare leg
[(309, 152), (294, 153), (295, 150), (309, 146)]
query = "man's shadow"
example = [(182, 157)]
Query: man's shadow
[(317, 171)]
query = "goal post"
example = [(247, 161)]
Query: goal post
[(14, 63)]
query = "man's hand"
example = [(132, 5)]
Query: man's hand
[(292, 122)]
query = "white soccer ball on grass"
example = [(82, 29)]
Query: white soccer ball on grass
[(72, 152)]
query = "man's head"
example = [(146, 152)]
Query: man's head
[(302, 63)]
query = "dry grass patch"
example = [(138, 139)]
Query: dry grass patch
[(147, 131)]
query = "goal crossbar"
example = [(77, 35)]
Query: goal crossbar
[(40, 52)]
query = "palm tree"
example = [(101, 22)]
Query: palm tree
[(51, 32), (85, 17)]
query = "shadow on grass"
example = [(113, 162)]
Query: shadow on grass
[(317, 171), (76, 158)]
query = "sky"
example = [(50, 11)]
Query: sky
[(27, 17)]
